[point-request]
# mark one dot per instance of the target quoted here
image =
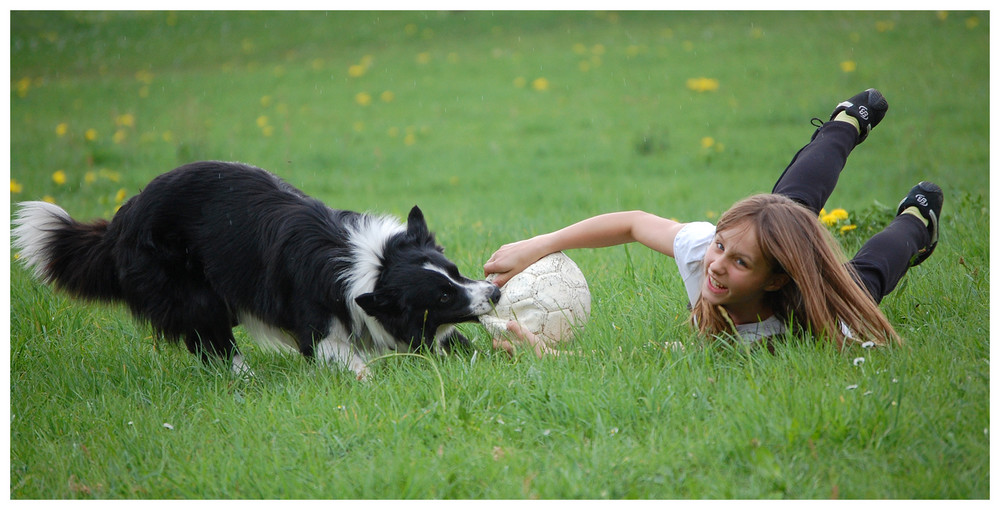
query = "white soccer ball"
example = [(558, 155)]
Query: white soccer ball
[(550, 298)]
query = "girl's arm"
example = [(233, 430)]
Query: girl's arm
[(599, 231)]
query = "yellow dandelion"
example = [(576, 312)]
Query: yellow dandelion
[(366, 61), (847, 228), (109, 175), (848, 66), (579, 49), (15, 187), (410, 139), (707, 142), (839, 214), (410, 29), (90, 177), (711, 214), (363, 98), (884, 26), (262, 121), (61, 129), (828, 219), (125, 120), (423, 57), (90, 134), (59, 177), (356, 70), (942, 15), (393, 132), (144, 77), (120, 196), (267, 130), (317, 64), (119, 136), (540, 84), (584, 66), (266, 101), (168, 136), (597, 49), (49, 198), (387, 96), (520, 82), (971, 22), (703, 84), (23, 86)]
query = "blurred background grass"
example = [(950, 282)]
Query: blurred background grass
[(483, 116)]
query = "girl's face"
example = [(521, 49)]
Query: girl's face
[(737, 275)]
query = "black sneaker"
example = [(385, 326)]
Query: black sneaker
[(928, 198), (868, 107)]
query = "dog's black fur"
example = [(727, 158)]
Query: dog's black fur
[(211, 245)]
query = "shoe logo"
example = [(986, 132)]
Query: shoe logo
[(922, 200), (863, 111)]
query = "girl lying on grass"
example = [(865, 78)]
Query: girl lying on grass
[(769, 264)]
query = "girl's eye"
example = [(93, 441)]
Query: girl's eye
[(718, 246)]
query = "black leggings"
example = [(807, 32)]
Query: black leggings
[(810, 179)]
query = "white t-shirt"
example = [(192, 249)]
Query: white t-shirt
[(690, 246)]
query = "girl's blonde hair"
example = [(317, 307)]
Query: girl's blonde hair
[(822, 292)]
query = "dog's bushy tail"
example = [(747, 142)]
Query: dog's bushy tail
[(74, 256)]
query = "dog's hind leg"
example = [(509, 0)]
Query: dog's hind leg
[(168, 289)]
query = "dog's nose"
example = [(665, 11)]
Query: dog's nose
[(494, 294)]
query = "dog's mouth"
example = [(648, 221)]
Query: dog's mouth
[(487, 296)]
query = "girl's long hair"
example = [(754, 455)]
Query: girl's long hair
[(822, 293)]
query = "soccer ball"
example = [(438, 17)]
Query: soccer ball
[(550, 298)]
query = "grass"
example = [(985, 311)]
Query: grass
[(501, 126)]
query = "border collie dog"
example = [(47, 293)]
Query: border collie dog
[(211, 245)]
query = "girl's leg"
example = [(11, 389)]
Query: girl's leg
[(906, 242), (813, 173), (885, 258)]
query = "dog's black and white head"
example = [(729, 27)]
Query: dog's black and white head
[(419, 294)]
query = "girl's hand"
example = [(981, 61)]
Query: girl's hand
[(511, 259), (523, 338)]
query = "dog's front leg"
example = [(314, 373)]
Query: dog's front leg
[(335, 351)]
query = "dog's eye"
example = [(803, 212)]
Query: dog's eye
[(445, 298)]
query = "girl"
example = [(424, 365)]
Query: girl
[(769, 264)]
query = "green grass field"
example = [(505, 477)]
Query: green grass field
[(502, 126)]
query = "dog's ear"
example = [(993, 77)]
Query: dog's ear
[(369, 303), (416, 227)]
